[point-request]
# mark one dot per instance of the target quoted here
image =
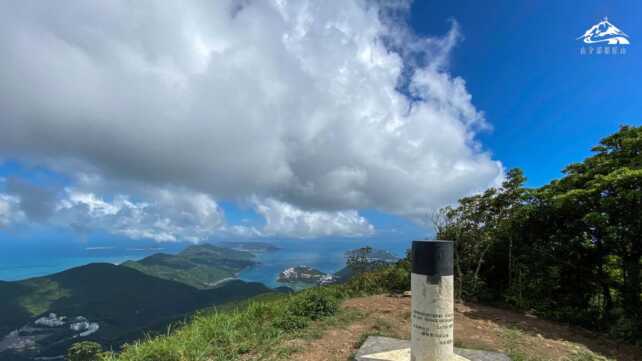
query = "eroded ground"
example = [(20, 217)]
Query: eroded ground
[(524, 337)]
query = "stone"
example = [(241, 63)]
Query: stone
[(432, 313), (377, 348), (432, 301)]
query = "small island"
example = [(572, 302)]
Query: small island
[(304, 276), (371, 255), (357, 261)]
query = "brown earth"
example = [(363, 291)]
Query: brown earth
[(523, 336)]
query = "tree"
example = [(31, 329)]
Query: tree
[(607, 187), (570, 250), (84, 351), (479, 223)]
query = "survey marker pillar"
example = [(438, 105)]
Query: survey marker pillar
[(432, 313)]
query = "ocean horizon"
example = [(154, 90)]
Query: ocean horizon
[(328, 256)]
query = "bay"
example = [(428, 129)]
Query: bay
[(327, 255)]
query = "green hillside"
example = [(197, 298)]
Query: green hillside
[(123, 301), (317, 322), (200, 266), (255, 329)]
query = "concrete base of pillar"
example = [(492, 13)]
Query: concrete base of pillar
[(391, 349)]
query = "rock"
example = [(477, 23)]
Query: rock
[(378, 348)]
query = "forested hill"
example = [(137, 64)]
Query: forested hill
[(201, 266), (571, 250), (123, 302)]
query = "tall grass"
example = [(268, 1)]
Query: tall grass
[(256, 327)]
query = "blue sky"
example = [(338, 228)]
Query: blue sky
[(116, 165), (547, 103)]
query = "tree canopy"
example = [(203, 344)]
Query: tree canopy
[(570, 250)]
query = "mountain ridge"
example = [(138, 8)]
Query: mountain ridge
[(201, 266), (124, 302)]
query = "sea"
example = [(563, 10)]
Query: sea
[(327, 255)]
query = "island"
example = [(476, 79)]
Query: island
[(304, 276), (361, 260), (201, 266), (357, 261), (372, 255)]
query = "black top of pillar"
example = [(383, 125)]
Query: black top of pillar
[(432, 258)]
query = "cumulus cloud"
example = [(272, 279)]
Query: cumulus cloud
[(9, 210), (36, 202), (163, 214), (287, 220), (172, 216), (180, 215), (321, 107)]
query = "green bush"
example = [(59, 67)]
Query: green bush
[(289, 322), (391, 279), (397, 279), (313, 304), (84, 351), (624, 328), (365, 284)]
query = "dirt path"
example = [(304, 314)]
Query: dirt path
[(476, 326)]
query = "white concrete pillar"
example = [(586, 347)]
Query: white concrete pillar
[(432, 301)]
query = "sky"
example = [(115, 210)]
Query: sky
[(197, 120)]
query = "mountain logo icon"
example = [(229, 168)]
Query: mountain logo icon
[(605, 32)]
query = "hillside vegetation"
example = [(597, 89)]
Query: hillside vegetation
[(570, 250), (123, 301), (256, 327), (330, 322), (200, 266)]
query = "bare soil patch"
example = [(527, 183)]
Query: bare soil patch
[(476, 326)]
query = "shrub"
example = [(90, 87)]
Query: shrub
[(366, 283), (289, 322), (397, 279), (392, 279), (313, 304), (624, 328), (84, 351)]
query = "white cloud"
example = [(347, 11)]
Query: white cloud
[(285, 220), (9, 210), (296, 102), (169, 216)]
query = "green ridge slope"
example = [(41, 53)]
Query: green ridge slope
[(123, 301), (200, 266)]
